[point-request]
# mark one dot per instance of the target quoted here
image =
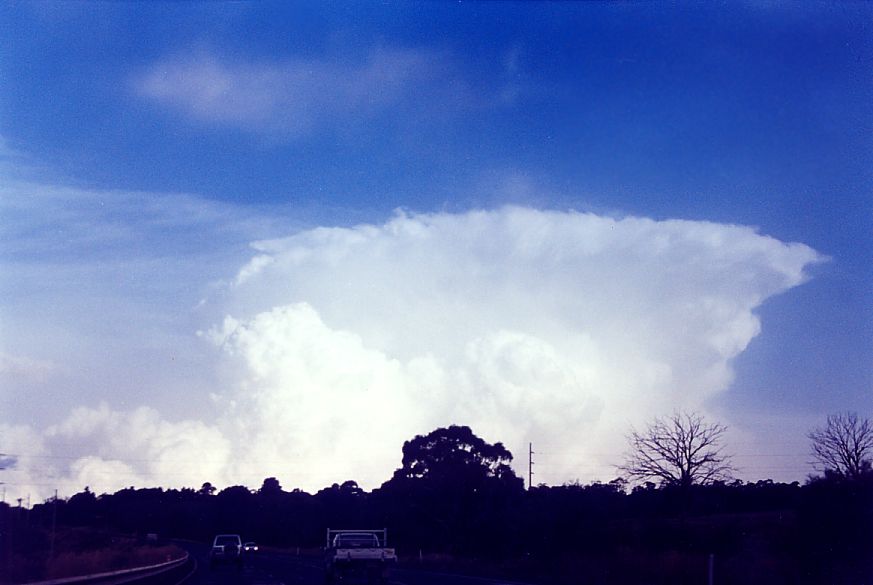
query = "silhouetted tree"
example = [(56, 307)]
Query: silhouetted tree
[(454, 491), (81, 508), (681, 450), (232, 509), (455, 452), (270, 487), (844, 446), (207, 489)]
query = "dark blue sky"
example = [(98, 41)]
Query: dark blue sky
[(756, 116)]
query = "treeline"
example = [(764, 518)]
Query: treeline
[(455, 497)]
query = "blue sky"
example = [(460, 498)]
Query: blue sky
[(147, 146)]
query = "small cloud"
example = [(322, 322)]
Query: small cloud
[(24, 368), (290, 96)]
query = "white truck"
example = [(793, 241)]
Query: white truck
[(358, 555)]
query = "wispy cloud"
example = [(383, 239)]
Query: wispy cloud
[(12, 366), (293, 95), (41, 218)]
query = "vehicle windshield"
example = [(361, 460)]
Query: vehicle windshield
[(356, 541), (226, 540)]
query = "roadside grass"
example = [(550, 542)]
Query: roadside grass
[(128, 556), (78, 552)]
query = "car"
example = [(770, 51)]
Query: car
[(226, 549), (250, 547)]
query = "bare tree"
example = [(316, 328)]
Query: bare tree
[(681, 450), (844, 445)]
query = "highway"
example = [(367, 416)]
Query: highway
[(270, 568)]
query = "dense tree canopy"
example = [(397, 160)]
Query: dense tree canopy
[(455, 452), (452, 483), (270, 487)]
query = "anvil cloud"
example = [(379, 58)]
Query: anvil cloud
[(338, 343)]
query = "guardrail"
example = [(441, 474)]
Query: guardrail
[(160, 574)]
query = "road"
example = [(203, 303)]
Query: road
[(269, 568)]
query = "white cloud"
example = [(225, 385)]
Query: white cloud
[(22, 367), (317, 405), (557, 328), (99, 290), (139, 447), (291, 95), (25, 463)]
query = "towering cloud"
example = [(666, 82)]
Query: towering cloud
[(560, 328)]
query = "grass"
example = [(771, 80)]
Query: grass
[(79, 552)]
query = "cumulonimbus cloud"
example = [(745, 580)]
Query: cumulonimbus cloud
[(558, 328)]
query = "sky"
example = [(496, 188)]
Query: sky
[(250, 240)]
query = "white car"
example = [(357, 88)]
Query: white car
[(226, 549), (250, 547)]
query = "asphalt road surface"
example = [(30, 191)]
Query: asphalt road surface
[(268, 568)]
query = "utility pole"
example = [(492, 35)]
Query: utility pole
[(530, 465), (54, 525), (2, 467)]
